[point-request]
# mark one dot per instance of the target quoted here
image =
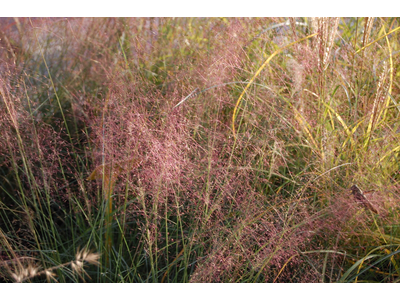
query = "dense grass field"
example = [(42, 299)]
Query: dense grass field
[(199, 150)]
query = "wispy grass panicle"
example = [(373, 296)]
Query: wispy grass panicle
[(23, 273), (327, 30)]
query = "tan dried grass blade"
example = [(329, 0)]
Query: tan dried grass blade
[(361, 199)]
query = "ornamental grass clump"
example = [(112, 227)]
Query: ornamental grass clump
[(199, 149)]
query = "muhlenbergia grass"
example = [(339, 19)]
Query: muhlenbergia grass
[(199, 150)]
